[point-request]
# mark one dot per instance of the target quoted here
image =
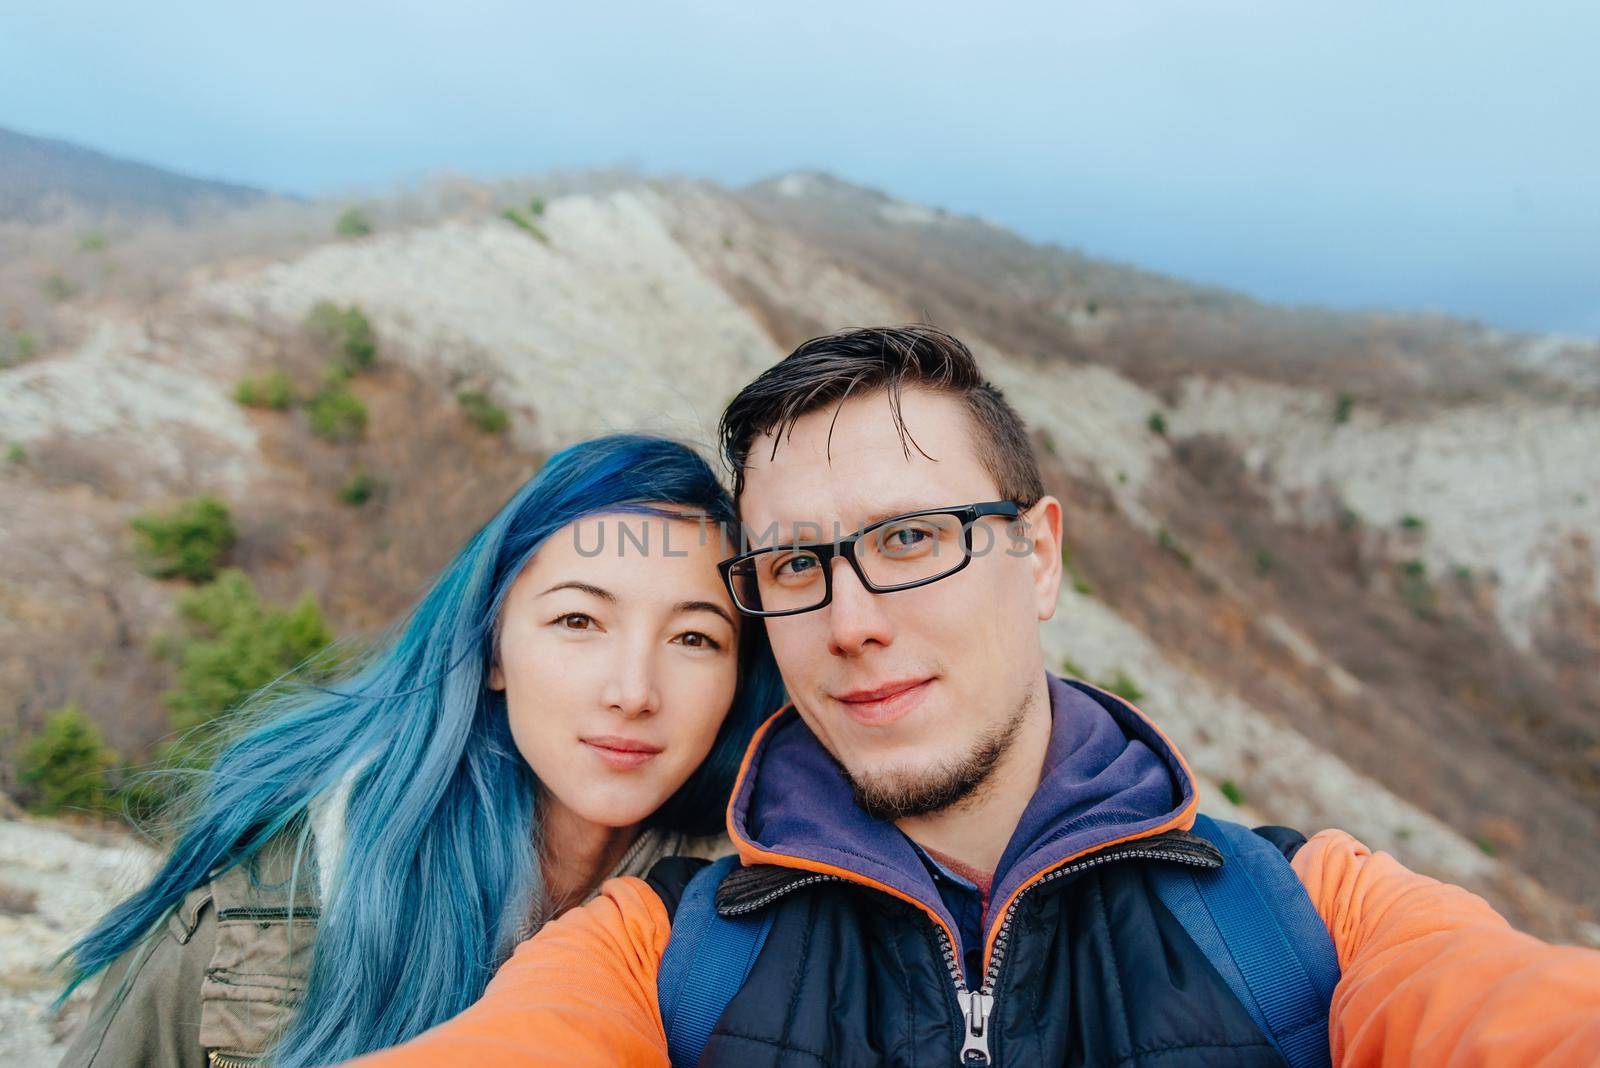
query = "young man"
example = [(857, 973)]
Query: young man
[(958, 854)]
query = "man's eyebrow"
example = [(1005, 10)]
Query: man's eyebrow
[(826, 529), (582, 587), (704, 606), (881, 514)]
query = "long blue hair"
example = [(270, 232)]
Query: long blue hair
[(442, 822)]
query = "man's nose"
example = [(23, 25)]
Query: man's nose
[(856, 619)]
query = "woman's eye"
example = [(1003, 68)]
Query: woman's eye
[(695, 639), (575, 621)]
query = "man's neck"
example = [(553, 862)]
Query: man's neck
[(977, 829)]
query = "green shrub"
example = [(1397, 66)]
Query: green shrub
[(1158, 424), (1165, 539), (57, 288), (337, 415), (1079, 583), (1415, 589), (360, 489), (65, 765), (1123, 687), (93, 241), (536, 206), (482, 412), (25, 345), (512, 215), (1412, 522), (15, 453), (274, 391), (1071, 667), (359, 346), (1264, 562), (232, 645), (1342, 408), (345, 331), (186, 542), (352, 223), (1231, 791)]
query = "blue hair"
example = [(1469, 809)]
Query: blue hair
[(442, 819)]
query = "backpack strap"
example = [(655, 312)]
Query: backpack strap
[(1257, 926), (707, 960)]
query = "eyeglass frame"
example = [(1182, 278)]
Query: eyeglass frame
[(826, 551)]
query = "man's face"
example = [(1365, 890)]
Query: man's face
[(909, 688)]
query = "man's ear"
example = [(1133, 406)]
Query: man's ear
[(1042, 528)]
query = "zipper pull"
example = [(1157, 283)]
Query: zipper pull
[(976, 1006)]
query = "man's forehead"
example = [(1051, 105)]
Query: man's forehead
[(851, 464)]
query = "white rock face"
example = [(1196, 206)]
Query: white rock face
[(1498, 487), (129, 394), (74, 882), (610, 326)]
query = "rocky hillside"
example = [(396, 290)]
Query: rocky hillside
[(1348, 560)]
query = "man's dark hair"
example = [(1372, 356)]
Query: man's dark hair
[(827, 370)]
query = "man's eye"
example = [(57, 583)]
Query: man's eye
[(796, 565), (902, 539)]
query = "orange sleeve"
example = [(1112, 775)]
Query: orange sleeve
[(1431, 975), (581, 991)]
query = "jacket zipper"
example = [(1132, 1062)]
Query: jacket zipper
[(310, 912), (228, 1060), (976, 1007)]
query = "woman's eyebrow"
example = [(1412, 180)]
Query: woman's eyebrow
[(704, 606), (582, 587)]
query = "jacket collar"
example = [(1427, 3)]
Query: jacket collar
[(1110, 776)]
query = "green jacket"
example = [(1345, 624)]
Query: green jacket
[(216, 985)]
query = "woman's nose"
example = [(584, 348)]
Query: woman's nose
[(631, 690)]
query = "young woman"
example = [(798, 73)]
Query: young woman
[(568, 702)]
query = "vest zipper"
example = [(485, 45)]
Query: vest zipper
[(977, 1006)]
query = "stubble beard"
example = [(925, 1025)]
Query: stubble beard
[(898, 793)]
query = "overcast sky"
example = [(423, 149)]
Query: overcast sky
[(1440, 155)]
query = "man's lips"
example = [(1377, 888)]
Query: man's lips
[(621, 753), (886, 703)]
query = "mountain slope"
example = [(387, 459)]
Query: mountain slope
[(39, 176)]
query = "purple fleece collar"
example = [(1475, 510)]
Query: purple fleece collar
[(1108, 775)]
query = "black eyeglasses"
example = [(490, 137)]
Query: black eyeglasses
[(898, 553)]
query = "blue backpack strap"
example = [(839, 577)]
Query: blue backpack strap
[(1256, 925), (707, 960)]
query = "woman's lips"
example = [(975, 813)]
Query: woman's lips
[(884, 704), (623, 754)]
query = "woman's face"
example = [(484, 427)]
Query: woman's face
[(620, 664)]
